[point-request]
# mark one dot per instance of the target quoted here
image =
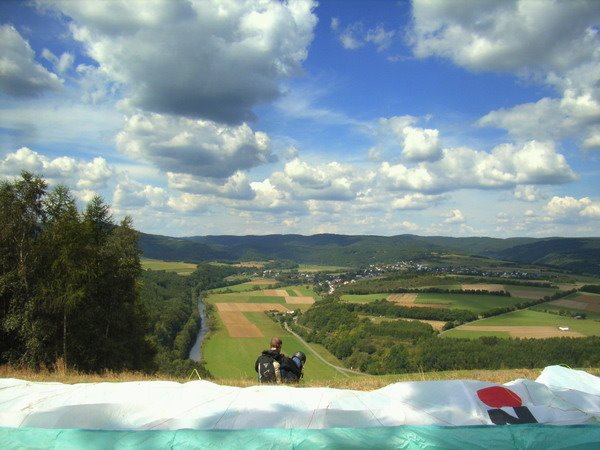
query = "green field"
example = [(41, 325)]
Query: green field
[(529, 292), (180, 268), (529, 318), (362, 298), (307, 291), (233, 358), (472, 302)]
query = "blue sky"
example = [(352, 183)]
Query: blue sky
[(471, 118)]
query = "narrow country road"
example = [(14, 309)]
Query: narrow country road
[(341, 370)]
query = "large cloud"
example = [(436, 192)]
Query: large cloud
[(507, 35), (236, 186), (332, 181), (567, 207), (505, 166), (94, 174), (195, 147), (20, 75), (208, 59), (552, 42)]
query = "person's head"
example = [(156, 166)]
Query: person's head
[(276, 343)]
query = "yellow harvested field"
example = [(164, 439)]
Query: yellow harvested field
[(274, 293), (483, 287), (436, 324), (405, 299), (542, 332), (300, 300), (256, 264), (237, 324), (250, 307)]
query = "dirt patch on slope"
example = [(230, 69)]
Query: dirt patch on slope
[(300, 300), (403, 299), (237, 324)]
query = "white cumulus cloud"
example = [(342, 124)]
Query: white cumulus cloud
[(208, 59), (94, 174), (571, 206), (194, 147), (505, 166)]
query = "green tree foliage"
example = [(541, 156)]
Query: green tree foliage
[(173, 317), (390, 309), (68, 282), (395, 346), (593, 288)]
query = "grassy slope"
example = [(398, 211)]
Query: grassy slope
[(228, 357), (357, 383), (180, 268), (234, 358)]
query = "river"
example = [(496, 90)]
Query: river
[(196, 351)]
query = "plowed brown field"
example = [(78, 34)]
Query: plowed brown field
[(237, 324)]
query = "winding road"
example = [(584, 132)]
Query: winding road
[(344, 371)]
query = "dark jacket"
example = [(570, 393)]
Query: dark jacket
[(272, 353), (290, 372)]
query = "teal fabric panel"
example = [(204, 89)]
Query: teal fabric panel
[(530, 436)]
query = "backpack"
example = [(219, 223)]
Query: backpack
[(267, 369)]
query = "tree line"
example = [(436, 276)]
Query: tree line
[(73, 293)]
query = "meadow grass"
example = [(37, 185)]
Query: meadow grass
[(360, 383), (529, 292), (472, 302), (234, 358), (181, 268), (363, 298)]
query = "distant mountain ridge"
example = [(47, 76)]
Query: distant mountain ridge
[(574, 254)]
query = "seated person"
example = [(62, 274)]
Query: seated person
[(291, 368)]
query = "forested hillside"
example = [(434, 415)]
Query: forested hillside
[(575, 254), (68, 282), (73, 294)]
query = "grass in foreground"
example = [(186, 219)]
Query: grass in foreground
[(356, 383)]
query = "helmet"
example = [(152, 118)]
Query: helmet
[(301, 356)]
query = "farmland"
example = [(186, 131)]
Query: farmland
[(475, 303), (243, 330), (180, 268), (534, 323)]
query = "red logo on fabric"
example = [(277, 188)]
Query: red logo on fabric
[(499, 397)]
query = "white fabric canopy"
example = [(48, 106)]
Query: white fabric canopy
[(560, 396)]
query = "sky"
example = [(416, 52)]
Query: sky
[(207, 117)]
